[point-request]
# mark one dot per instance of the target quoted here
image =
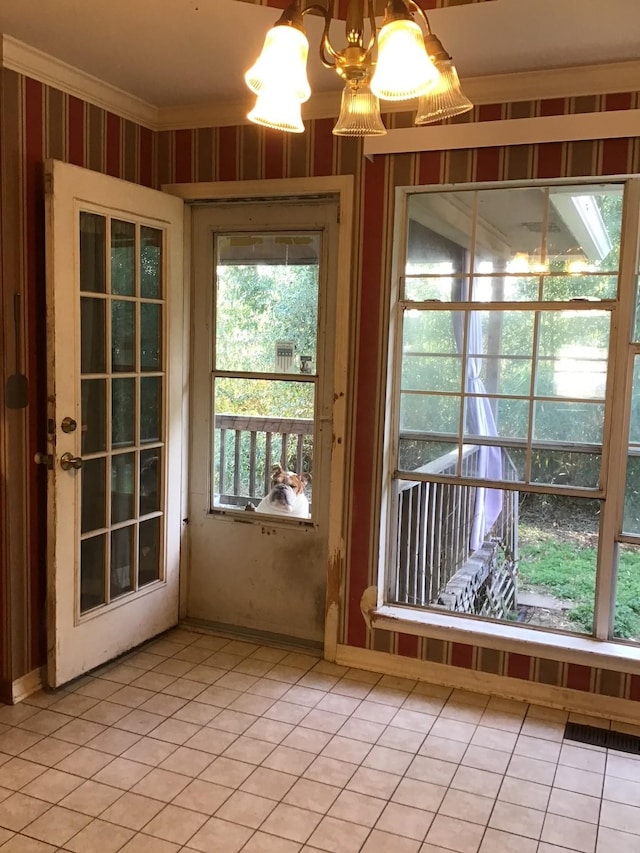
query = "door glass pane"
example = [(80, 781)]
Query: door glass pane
[(267, 301), (123, 244), (150, 408), (93, 229), (93, 336), (94, 415), (258, 424), (122, 557), (123, 411), (627, 616), (123, 336), (150, 551), (150, 336), (92, 572), (150, 263), (94, 506), (122, 487), (150, 470), (631, 521)]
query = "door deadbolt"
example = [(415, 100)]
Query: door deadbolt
[(68, 425), (67, 461)]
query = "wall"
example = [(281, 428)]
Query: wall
[(38, 122)]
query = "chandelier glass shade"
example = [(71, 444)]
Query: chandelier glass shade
[(402, 60)]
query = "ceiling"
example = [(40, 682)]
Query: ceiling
[(171, 53)]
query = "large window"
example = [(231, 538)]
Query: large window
[(512, 375)]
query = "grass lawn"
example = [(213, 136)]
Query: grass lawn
[(567, 570)]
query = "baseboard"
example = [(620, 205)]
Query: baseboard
[(575, 701), (249, 635), (12, 692)]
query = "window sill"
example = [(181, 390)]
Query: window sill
[(605, 654)]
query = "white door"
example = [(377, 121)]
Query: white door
[(264, 332), (114, 340)]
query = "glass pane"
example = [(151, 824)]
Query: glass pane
[(504, 288), (258, 424), (431, 372), (566, 468), (440, 227), (579, 423), (150, 263), (627, 614), (631, 520), (439, 457), (427, 332), (634, 424), (485, 416), (429, 413), (150, 471), (123, 336), (510, 230), (267, 302), (586, 236), (93, 486), (93, 336), (93, 229), (123, 248), (122, 412), (93, 430), (443, 288), (580, 286), (150, 336), (573, 354), (122, 558), (122, 487), (92, 572), (150, 551), (150, 408)]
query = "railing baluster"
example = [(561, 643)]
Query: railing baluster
[(299, 454), (268, 464), (223, 460), (252, 461), (236, 463)]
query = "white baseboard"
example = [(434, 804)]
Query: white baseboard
[(575, 701), (28, 684)]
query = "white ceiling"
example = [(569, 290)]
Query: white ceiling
[(185, 52)]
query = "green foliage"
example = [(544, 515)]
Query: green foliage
[(568, 571)]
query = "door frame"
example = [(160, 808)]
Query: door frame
[(297, 189)]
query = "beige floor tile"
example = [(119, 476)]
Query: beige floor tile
[(483, 758), (219, 836), (99, 837), (268, 783), (623, 767), (291, 822), (324, 721), (163, 705), (189, 762), (373, 712), (315, 796), (621, 791), (74, 704), (443, 749), (246, 809), (5, 835), (197, 712), (122, 773), (477, 781), (580, 781), (175, 824), (620, 816), (405, 820), (375, 783), (332, 771), (84, 762), (357, 808), (57, 825), (152, 681), (272, 731), (519, 820), (210, 740), (131, 696), (531, 769), (52, 785), (143, 843), (22, 844), (18, 810), (388, 760), (583, 759), (132, 811), (613, 840), (105, 713), (521, 793), (535, 747), (578, 806), (232, 721), (161, 784), (48, 751), (252, 703), (79, 731), (338, 836), (91, 798), (456, 834), (382, 842), (430, 770), (175, 731), (227, 771), (466, 806), (263, 843), (495, 841), (16, 773), (45, 722), (268, 689), (202, 796), (498, 739), (16, 741), (113, 741), (566, 832), (150, 751), (421, 795), (250, 750), (185, 688), (347, 749), (453, 729), (286, 712)]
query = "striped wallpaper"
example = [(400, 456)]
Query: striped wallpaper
[(38, 122)]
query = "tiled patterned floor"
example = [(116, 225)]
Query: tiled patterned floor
[(201, 743)]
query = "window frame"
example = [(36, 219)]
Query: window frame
[(381, 614)]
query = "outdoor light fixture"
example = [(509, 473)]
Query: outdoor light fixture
[(409, 63)]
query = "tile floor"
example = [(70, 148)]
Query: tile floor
[(203, 743)]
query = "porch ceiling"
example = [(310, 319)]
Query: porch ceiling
[(186, 52)]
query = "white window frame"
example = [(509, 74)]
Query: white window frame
[(380, 614)]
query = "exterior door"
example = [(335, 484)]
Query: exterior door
[(114, 326), (264, 309)]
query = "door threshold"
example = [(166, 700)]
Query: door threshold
[(237, 632)]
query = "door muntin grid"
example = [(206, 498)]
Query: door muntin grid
[(123, 408)]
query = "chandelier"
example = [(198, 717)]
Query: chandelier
[(401, 61)]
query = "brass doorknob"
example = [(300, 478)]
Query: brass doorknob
[(67, 461)]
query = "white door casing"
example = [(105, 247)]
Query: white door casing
[(79, 641)]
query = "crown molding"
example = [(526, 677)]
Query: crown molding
[(493, 89), (34, 63)]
